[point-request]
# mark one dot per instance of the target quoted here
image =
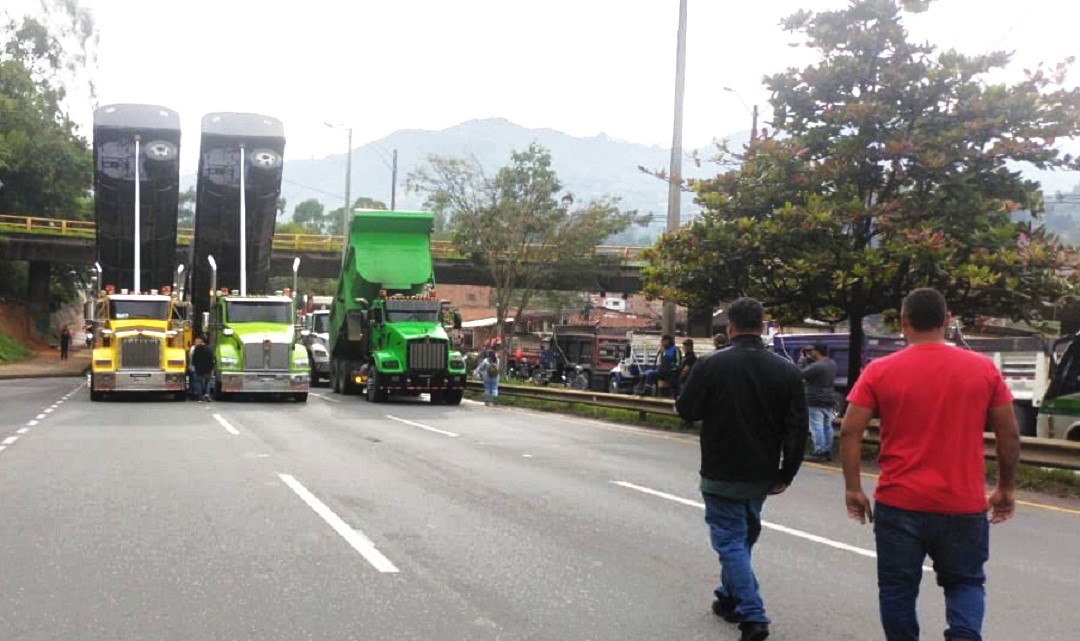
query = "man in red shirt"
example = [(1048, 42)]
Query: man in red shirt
[(933, 401)]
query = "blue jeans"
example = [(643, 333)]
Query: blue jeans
[(734, 527), (491, 388), (821, 429), (958, 544)]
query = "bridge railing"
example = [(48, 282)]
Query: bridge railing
[(440, 249)]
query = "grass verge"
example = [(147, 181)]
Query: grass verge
[(12, 350)]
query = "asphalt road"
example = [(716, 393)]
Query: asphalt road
[(340, 519)]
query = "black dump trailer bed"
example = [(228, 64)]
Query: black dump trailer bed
[(116, 169), (226, 137)]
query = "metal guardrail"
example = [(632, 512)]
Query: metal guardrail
[(440, 249), (1042, 452)]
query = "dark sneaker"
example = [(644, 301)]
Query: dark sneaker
[(724, 607), (754, 631)]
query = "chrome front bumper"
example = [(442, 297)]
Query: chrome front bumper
[(139, 381), (267, 382)]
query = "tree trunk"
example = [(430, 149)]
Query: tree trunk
[(855, 341)]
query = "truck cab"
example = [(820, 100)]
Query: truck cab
[(315, 334), (139, 345), (254, 343)]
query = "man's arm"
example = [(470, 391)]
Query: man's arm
[(691, 402), (856, 418), (795, 433), (1002, 501)]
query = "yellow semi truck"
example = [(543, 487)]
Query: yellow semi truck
[(140, 344)]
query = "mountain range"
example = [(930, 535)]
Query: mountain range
[(589, 167)]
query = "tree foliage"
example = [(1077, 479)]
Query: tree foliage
[(891, 166), (45, 165), (521, 224)]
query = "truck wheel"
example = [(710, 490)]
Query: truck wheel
[(1025, 419), (300, 397), (375, 393), (348, 385), (451, 397), (335, 378)]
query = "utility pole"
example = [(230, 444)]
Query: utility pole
[(753, 127), (393, 184), (348, 199), (675, 175)]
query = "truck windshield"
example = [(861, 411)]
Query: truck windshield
[(257, 312), (147, 309), (412, 311), (320, 323)]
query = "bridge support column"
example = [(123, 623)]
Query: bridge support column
[(37, 293)]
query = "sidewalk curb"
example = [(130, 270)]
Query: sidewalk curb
[(12, 377)]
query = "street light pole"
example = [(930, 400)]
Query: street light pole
[(675, 175), (393, 184), (348, 199)]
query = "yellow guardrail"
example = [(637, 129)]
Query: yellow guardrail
[(443, 249)]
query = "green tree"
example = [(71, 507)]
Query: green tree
[(891, 167), (185, 215), (311, 215), (520, 224), (45, 165), (333, 219)]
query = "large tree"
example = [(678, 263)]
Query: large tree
[(45, 164), (521, 224), (891, 165)]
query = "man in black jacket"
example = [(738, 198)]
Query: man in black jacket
[(202, 363), (753, 410)]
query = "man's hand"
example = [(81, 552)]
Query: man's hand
[(858, 506), (778, 487), (1001, 505)]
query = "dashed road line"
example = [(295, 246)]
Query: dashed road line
[(31, 423), (40, 417), (354, 537), (226, 424), (422, 426), (765, 524), (22, 430), (324, 398), (9, 440)]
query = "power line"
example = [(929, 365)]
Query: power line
[(315, 189)]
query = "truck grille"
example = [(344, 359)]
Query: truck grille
[(427, 355), (140, 352), (266, 356)]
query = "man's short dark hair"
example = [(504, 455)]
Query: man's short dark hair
[(925, 309), (821, 348), (688, 342), (667, 337), (746, 314)]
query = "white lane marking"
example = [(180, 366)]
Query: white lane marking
[(22, 430), (3, 447), (40, 417), (9, 440), (526, 456), (227, 425), (354, 537), (31, 423), (469, 401), (422, 426), (48, 410), (324, 398), (765, 524)]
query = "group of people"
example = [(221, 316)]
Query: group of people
[(931, 497)]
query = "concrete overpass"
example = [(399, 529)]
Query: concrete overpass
[(43, 242)]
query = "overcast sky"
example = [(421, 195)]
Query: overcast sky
[(579, 66)]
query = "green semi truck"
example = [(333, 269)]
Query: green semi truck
[(255, 345), (386, 335)]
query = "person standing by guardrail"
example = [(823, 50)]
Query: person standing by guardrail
[(933, 401), (752, 406), (488, 371), (819, 374)]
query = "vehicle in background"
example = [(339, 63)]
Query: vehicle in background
[(315, 335), (579, 356), (137, 345), (640, 351), (386, 333)]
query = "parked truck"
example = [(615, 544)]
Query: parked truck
[(255, 346), (139, 345), (386, 336), (315, 334)]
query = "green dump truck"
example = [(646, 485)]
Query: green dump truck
[(386, 335)]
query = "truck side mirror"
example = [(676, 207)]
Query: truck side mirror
[(457, 320)]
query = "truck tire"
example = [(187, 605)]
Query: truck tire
[(450, 397), (179, 396), (375, 392), (348, 385), (335, 378)]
